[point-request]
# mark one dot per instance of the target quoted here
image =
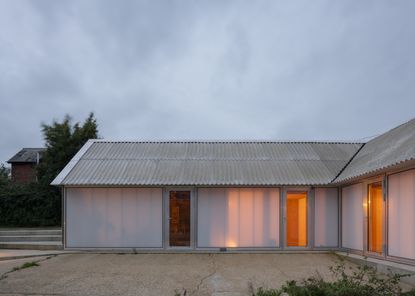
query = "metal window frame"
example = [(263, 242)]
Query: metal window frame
[(310, 217), (63, 200), (366, 184)]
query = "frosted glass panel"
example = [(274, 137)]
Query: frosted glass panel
[(352, 217), (402, 214), (238, 217), (326, 217), (113, 217)]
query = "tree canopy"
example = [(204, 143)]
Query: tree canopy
[(4, 176), (62, 141), (39, 204)]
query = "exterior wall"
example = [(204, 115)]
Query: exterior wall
[(326, 223), (250, 218), (352, 217), (114, 218), (23, 172), (224, 217), (398, 216), (238, 217), (401, 215)]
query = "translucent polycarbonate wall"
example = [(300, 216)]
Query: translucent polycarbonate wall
[(326, 217), (113, 217), (401, 214), (238, 217), (352, 217)]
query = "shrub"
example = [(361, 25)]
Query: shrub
[(29, 205), (360, 281), (39, 204)]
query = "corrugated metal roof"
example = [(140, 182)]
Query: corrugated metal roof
[(207, 163), (27, 155), (389, 149)]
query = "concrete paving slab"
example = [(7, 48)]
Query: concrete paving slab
[(162, 274), (10, 254), (7, 265)]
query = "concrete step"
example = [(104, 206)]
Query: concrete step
[(24, 232), (30, 238), (47, 245)]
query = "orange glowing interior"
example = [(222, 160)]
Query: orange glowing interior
[(296, 219), (375, 209), (179, 218)]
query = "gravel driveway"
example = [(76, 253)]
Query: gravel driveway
[(160, 274)]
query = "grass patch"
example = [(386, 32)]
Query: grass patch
[(25, 265)]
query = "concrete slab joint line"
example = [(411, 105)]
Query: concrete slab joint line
[(203, 279), (5, 274)]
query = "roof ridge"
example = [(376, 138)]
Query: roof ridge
[(209, 159), (394, 128), (347, 164), (224, 141), (370, 164)]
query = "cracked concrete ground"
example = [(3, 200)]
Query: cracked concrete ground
[(160, 274)]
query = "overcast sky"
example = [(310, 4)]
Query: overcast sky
[(304, 70)]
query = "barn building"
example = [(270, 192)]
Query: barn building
[(244, 196)]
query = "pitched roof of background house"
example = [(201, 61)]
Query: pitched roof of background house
[(206, 163), (29, 155), (387, 150)]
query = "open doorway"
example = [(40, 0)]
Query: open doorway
[(296, 219)]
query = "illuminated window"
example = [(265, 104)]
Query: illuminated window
[(374, 213), (296, 216)]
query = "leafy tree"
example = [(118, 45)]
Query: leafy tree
[(4, 176), (63, 140), (39, 204)]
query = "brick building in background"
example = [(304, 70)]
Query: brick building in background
[(23, 164)]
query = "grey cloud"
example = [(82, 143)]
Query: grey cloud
[(212, 70)]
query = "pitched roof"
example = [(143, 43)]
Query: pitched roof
[(206, 163), (29, 155), (389, 149)]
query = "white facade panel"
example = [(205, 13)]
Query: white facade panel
[(401, 213), (352, 216), (114, 218), (238, 217), (326, 217)]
